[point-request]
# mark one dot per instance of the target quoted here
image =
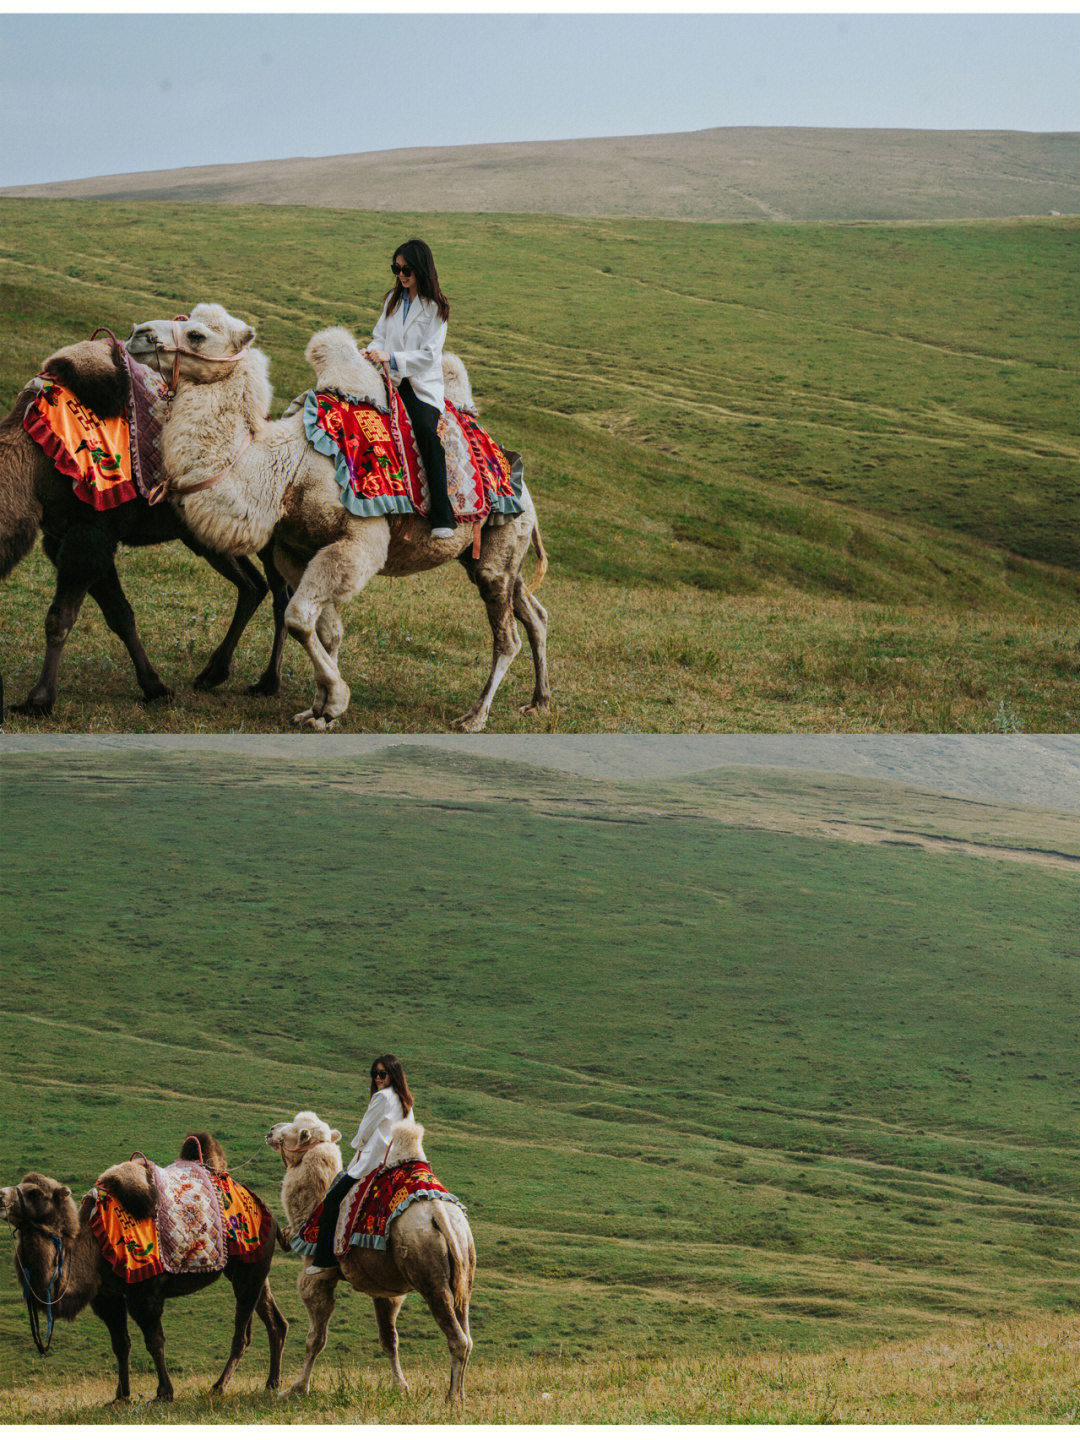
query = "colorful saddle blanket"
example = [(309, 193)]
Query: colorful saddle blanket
[(110, 461), (376, 480), (365, 1219), (203, 1221)]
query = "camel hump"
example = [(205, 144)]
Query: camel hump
[(201, 1146), (456, 383), (339, 366), (131, 1185), (91, 372), (406, 1143)]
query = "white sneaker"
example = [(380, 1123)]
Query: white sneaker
[(319, 1269), (443, 532)]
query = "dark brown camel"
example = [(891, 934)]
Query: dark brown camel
[(57, 1253), (81, 542)]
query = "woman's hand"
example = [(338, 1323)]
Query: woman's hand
[(380, 357)]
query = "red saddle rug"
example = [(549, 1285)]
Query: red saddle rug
[(109, 461), (203, 1220), (376, 479), (365, 1218)]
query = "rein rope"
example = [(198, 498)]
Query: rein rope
[(49, 1301)]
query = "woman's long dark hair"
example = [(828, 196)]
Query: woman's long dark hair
[(417, 256), (392, 1065)]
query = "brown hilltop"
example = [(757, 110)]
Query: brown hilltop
[(721, 174)]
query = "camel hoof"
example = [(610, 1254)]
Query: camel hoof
[(316, 723), (536, 707), (159, 692), (33, 708), (268, 685), (209, 677), (470, 724)]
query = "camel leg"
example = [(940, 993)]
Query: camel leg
[(317, 1293), (440, 1302), (146, 1312), (73, 579), (245, 1308), (386, 1313), (337, 573), (496, 591), (269, 682), (120, 618), (534, 618), (113, 1312), (277, 1327), (250, 590)]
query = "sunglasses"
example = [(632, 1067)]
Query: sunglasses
[(381, 1075), (401, 270)]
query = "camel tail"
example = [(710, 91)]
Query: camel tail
[(458, 1266), (541, 558), (20, 508)]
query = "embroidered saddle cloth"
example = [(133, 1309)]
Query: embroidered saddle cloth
[(375, 479), (109, 461), (365, 1218), (203, 1220)]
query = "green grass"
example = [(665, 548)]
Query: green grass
[(830, 436), (705, 1085)]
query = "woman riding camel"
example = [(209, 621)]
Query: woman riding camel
[(390, 1102), (409, 336)]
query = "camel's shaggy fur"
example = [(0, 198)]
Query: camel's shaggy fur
[(431, 1250), (456, 383), (340, 367), (271, 482)]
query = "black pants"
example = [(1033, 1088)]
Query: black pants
[(324, 1245), (425, 422)]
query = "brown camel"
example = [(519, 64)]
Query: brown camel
[(81, 542), (430, 1250), (60, 1267)]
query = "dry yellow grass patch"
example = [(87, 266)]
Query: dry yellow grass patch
[(1021, 1371)]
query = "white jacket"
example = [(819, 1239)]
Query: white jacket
[(371, 1139), (416, 346)]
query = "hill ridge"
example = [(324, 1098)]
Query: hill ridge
[(723, 173)]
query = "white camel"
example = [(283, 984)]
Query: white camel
[(238, 479), (430, 1249)]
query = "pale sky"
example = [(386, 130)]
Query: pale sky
[(87, 95)]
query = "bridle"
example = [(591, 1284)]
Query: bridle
[(167, 487), (30, 1295), (177, 349)]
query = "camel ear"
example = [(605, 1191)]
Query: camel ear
[(303, 1137), (335, 1136), (62, 1192), (242, 336)]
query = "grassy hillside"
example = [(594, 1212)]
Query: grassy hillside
[(776, 173), (790, 477), (705, 1086)]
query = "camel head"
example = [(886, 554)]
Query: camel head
[(46, 1222), (202, 348), (295, 1139)]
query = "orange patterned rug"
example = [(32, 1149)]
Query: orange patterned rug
[(203, 1220)]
